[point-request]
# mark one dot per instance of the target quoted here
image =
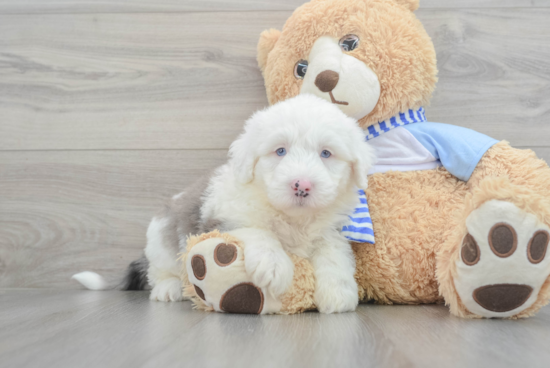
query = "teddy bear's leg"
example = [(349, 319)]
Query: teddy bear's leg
[(495, 264), (501, 267), (237, 272)]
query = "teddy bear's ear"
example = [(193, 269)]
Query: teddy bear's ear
[(412, 5), (268, 39)]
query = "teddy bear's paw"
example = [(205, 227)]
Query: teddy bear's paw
[(168, 290), (216, 269), (503, 262), (333, 295)]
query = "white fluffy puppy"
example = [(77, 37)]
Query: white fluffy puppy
[(293, 177), (289, 186)]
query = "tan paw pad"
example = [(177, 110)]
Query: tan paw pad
[(538, 246), (502, 297), (470, 250), (225, 254), (243, 298), (198, 265), (503, 240), (199, 292)]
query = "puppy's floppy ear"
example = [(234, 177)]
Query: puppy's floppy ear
[(364, 160), (412, 5), (243, 156), (268, 39)]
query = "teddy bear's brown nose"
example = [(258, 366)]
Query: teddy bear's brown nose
[(326, 81)]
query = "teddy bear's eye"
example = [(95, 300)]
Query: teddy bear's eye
[(349, 42), (300, 69)]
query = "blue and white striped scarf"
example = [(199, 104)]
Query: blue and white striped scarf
[(401, 119), (359, 227)]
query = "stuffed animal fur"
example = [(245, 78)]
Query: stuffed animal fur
[(474, 238)]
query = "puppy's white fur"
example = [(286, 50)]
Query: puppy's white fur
[(252, 198)]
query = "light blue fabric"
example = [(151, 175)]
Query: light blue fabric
[(459, 149)]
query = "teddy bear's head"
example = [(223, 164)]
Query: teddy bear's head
[(372, 58)]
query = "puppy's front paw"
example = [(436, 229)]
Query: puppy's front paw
[(271, 269), (334, 295), (168, 290)]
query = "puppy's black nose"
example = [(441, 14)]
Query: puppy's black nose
[(301, 187), (326, 81)]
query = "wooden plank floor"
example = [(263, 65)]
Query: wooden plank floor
[(107, 108), (71, 328)]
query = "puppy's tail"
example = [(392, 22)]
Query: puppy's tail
[(136, 275), (135, 278), (91, 280)]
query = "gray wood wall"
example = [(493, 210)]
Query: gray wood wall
[(109, 108)]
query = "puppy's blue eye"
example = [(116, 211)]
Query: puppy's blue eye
[(281, 152), (326, 154)]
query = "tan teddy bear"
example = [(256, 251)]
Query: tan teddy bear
[(455, 216)]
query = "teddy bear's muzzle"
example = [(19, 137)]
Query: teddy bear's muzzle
[(326, 81)]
